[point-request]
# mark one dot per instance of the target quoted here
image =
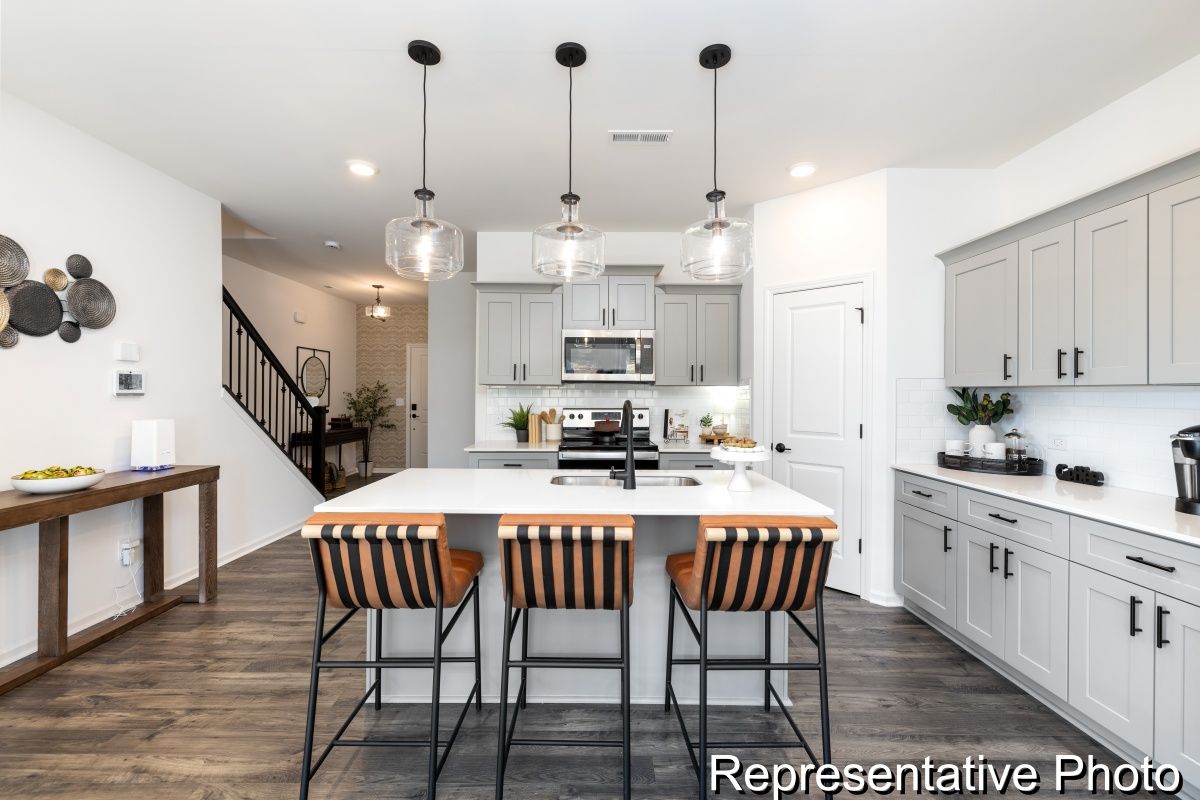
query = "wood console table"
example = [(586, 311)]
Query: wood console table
[(52, 511)]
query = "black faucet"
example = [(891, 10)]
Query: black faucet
[(628, 475)]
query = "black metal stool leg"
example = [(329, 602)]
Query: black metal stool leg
[(478, 660), (378, 656), (670, 644), (703, 739), (626, 760), (435, 700), (524, 656), (314, 679), (823, 675), (502, 740), (767, 658)]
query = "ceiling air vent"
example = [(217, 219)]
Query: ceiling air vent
[(640, 137)]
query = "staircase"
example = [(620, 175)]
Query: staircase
[(264, 388)]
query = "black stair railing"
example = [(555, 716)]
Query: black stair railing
[(262, 386)]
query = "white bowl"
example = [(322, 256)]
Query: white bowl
[(56, 485)]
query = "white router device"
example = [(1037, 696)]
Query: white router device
[(152, 446)]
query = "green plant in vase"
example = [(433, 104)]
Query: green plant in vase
[(979, 413), (518, 420), (369, 407), (706, 424)]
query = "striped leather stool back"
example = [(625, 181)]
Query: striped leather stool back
[(567, 561), (764, 563), (381, 560)]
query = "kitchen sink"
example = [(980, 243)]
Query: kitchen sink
[(642, 480)]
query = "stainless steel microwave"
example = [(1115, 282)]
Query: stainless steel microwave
[(614, 356)]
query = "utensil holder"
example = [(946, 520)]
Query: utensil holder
[(553, 431)]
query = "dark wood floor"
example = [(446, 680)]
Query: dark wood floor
[(208, 702)]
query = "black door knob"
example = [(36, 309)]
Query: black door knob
[(779, 448)]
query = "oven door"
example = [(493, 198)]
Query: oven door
[(615, 356), (604, 459)]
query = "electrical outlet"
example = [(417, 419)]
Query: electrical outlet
[(125, 551), (1058, 443)]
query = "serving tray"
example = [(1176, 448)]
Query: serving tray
[(993, 466)]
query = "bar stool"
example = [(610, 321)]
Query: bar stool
[(563, 561), (751, 564), (380, 561)]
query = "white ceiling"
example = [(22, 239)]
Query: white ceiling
[(258, 104)]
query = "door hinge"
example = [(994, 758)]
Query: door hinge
[(860, 545), (862, 315), (860, 430)]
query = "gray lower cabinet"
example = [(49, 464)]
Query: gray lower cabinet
[(515, 460), (981, 341), (1175, 283), (1110, 296), (1112, 654), (689, 461), (611, 302), (1177, 699), (519, 338), (980, 589), (1046, 307), (1036, 616), (925, 561), (696, 339)]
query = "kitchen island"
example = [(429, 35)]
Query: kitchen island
[(666, 517)]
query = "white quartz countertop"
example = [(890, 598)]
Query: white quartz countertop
[(529, 491), (510, 446), (690, 446), (1127, 508)]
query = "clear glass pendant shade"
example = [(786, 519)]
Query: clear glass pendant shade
[(718, 248), (568, 250), (379, 311), (423, 248)]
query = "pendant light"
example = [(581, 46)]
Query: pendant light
[(378, 311), (717, 248), (421, 247), (569, 250)]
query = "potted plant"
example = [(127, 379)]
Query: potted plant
[(980, 414), (369, 406), (518, 420), (706, 425)]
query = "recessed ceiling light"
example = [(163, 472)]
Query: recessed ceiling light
[(802, 169), (333, 244), (364, 169)]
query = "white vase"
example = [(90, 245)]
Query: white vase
[(978, 436)]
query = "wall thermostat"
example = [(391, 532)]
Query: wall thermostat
[(129, 383)]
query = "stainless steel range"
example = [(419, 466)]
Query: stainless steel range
[(592, 440)]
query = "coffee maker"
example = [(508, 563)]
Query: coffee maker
[(1185, 447)]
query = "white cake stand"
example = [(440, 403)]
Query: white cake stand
[(740, 482)]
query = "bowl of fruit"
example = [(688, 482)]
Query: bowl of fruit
[(57, 479)]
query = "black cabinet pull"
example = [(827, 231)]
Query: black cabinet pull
[(514, 372), (1062, 373), (692, 374), (781, 448), (703, 466), (612, 316), (919, 493), (1134, 602), (1078, 371), (702, 373), (1145, 563), (603, 317), (524, 372), (992, 548), (512, 465), (946, 539), (1007, 573), (1003, 519), (1007, 358), (1159, 641)]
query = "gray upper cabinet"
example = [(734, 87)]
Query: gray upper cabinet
[(541, 338), (981, 319), (499, 331), (717, 340), (1110, 296), (611, 302), (1175, 283), (520, 338), (1046, 307), (675, 340)]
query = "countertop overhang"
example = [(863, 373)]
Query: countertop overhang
[(510, 446), (529, 491)]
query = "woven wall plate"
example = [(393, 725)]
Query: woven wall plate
[(92, 304), (5, 308), (56, 279), (79, 266), (14, 264), (8, 338), (69, 332), (36, 309)]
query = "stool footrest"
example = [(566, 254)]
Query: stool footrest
[(747, 664), (567, 742), (552, 662), (395, 663)]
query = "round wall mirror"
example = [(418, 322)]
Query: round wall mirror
[(313, 377)]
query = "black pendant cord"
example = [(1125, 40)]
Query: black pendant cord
[(570, 129), (424, 119), (714, 72)]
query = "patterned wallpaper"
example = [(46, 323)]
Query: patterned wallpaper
[(382, 357)]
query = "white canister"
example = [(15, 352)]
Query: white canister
[(994, 451), (553, 431), (956, 447)]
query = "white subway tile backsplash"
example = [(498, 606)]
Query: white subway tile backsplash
[(1123, 432)]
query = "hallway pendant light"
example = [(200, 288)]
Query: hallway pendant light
[(569, 250), (717, 248), (378, 311), (421, 247)]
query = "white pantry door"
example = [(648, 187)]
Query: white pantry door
[(417, 445), (816, 409)]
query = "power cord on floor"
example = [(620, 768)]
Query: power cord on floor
[(133, 579)]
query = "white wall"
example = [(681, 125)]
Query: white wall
[(157, 245), (270, 300)]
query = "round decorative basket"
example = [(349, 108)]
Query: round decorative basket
[(56, 279), (5, 308), (9, 338), (14, 263), (79, 266), (36, 309), (91, 303), (69, 332)]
